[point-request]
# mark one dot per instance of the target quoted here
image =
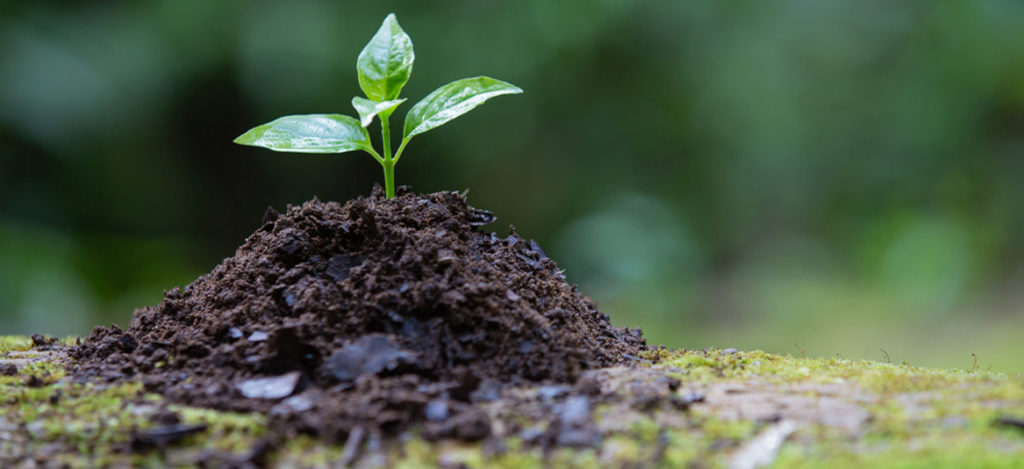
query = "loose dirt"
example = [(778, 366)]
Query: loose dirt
[(373, 316)]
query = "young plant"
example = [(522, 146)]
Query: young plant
[(384, 67)]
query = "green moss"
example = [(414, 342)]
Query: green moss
[(955, 450), (94, 423), (14, 343), (17, 343), (885, 378), (226, 431), (919, 418), (305, 451)]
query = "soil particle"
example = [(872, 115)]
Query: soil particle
[(275, 387), (34, 381), (575, 425), (375, 315), (258, 336), (370, 354), (39, 340), (685, 400), (8, 369), (166, 417), (162, 436), (1007, 421), (437, 410)]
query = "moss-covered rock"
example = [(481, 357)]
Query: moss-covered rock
[(674, 409)]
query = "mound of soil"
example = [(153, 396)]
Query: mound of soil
[(375, 315)]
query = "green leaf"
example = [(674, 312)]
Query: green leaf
[(453, 100), (385, 63), (309, 133), (369, 108)]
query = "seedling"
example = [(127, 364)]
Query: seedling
[(383, 67)]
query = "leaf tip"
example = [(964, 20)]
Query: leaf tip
[(509, 88), (391, 23)]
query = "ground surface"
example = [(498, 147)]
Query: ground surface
[(398, 332), (690, 409)]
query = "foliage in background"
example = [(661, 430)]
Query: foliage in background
[(841, 176)]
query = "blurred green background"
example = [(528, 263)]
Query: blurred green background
[(807, 177)]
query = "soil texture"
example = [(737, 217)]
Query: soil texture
[(373, 316)]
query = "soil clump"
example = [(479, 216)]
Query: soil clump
[(371, 316)]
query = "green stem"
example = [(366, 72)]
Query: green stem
[(398, 154), (374, 154), (389, 163), (389, 178)]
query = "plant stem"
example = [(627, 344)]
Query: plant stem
[(389, 163), (398, 154), (389, 178), (374, 154)]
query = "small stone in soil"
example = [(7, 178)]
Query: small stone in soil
[(487, 391), (683, 402), (162, 436), (575, 412), (258, 336), (536, 248), (471, 424), (525, 347), (369, 355), (299, 403), (274, 387), (437, 410), (552, 391), (532, 435), (482, 217), (1007, 421), (8, 369), (575, 425)]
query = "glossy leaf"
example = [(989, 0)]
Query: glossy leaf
[(309, 133), (367, 108), (453, 100), (385, 63)]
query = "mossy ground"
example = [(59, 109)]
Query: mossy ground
[(844, 413)]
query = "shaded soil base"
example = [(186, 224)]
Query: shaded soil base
[(710, 408), (368, 317)]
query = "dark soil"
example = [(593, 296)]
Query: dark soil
[(376, 315)]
